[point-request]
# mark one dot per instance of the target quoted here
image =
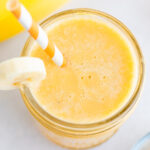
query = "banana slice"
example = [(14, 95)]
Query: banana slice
[(21, 70)]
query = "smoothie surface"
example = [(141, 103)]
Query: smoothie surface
[(97, 78)]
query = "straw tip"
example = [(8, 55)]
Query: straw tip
[(64, 63), (12, 4)]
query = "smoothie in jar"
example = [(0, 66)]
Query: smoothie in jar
[(83, 103)]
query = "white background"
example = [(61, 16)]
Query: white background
[(17, 129)]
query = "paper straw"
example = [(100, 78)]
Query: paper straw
[(35, 31)]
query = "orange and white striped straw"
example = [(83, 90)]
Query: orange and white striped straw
[(35, 31)]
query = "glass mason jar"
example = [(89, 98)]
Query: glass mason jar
[(81, 136)]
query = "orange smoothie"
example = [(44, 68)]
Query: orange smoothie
[(98, 78)]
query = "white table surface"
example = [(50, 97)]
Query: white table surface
[(17, 129)]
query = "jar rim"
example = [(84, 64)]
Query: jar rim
[(47, 119)]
